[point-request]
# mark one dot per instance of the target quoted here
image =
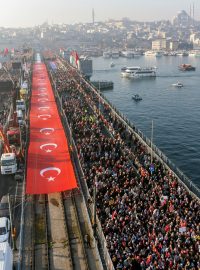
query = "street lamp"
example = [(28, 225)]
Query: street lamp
[(152, 142), (99, 97), (95, 207)]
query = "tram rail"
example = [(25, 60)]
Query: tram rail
[(75, 234)]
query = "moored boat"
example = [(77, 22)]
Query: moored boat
[(187, 67)]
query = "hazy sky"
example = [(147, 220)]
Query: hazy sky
[(17, 13)]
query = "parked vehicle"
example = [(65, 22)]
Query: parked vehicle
[(8, 163), (20, 104), (4, 229), (13, 135), (6, 256), (20, 117)]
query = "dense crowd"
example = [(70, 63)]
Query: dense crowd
[(5, 101), (147, 216)]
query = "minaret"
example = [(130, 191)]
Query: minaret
[(93, 16), (193, 13)]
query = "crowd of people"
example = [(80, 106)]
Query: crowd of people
[(5, 101), (149, 219)]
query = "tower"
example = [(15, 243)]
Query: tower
[(193, 13), (93, 16)]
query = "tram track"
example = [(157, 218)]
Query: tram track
[(75, 230), (59, 230)]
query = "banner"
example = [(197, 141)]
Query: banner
[(49, 166)]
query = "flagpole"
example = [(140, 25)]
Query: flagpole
[(99, 97)]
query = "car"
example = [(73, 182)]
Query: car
[(4, 229)]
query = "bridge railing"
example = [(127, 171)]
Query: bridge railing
[(145, 140)]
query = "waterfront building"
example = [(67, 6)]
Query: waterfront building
[(173, 45), (160, 44)]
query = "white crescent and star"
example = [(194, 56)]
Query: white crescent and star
[(44, 116), (43, 108), (42, 95), (50, 178), (43, 99), (47, 145), (47, 131)]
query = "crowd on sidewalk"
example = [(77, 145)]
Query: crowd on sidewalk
[(147, 216), (5, 101)]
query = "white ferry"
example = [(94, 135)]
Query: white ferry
[(126, 71), (138, 72), (153, 53)]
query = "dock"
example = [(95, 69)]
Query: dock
[(103, 85)]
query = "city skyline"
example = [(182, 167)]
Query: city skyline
[(23, 13)]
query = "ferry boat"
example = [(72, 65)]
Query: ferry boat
[(186, 67), (126, 71), (138, 72)]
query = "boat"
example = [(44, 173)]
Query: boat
[(126, 71), (144, 72), (112, 64), (187, 67), (138, 72), (178, 84), (107, 54), (127, 54), (136, 97), (182, 53), (115, 54), (153, 53)]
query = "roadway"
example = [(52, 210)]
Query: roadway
[(7, 185)]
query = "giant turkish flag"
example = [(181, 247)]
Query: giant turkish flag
[(49, 167)]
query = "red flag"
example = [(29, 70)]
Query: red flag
[(6, 51), (49, 166)]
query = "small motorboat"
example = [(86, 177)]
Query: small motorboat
[(112, 64), (178, 84), (136, 97)]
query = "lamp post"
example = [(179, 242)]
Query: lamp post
[(95, 207), (11, 225), (151, 141), (99, 97)]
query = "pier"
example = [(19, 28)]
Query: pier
[(103, 85)]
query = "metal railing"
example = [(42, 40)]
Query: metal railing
[(145, 140)]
